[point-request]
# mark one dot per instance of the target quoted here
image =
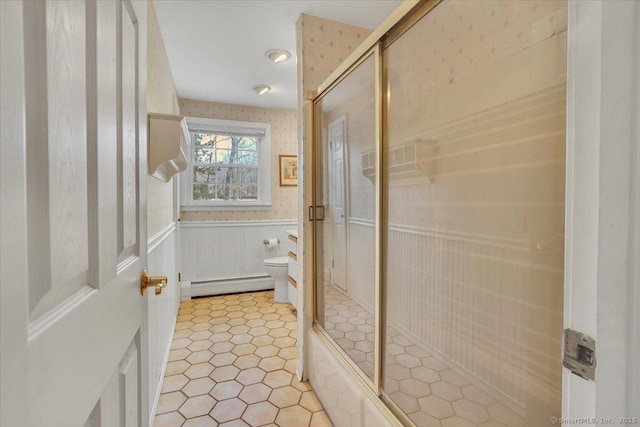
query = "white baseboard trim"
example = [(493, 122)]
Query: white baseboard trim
[(154, 404), (185, 290), (226, 287)]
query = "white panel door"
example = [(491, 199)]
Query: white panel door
[(73, 213), (338, 201)]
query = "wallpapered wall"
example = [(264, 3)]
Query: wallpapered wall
[(284, 200), (322, 46), (325, 45), (161, 98)]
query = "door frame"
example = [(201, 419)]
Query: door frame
[(602, 220), (13, 260)]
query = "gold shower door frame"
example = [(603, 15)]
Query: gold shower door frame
[(379, 41), (374, 52)]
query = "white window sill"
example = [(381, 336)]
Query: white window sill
[(238, 206)]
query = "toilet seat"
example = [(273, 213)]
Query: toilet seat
[(281, 261)]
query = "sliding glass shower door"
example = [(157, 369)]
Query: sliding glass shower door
[(345, 236), (457, 208), (475, 166)]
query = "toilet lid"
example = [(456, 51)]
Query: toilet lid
[(280, 261)]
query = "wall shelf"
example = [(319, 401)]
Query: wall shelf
[(169, 145), (412, 159)]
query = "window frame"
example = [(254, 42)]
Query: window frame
[(263, 202)]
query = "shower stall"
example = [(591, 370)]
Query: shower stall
[(439, 188)]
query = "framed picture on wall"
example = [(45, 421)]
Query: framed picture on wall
[(288, 170)]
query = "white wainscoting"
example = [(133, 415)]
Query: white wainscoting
[(228, 256), (470, 298), (162, 309)]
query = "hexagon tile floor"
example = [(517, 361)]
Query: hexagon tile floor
[(232, 364)]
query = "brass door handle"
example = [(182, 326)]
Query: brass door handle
[(158, 281)]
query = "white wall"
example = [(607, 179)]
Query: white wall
[(162, 309)]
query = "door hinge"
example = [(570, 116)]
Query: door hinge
[(333, 263), (316, 213), (179, 277), (579, 354)]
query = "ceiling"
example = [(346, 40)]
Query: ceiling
[(216, 47)]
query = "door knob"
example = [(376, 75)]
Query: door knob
[(158, 281)]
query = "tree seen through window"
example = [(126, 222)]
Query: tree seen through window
[(226, 167)]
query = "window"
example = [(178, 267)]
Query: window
[(225, 167), (229, 166)]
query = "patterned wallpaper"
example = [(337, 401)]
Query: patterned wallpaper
[(284, 200), (322, 46), (161, 98)]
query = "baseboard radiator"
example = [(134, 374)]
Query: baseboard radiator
[(230, 286)]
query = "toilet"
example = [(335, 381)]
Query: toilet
[(278, 268)]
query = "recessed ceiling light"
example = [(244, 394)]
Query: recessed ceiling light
[(277, 55), (261, 89)]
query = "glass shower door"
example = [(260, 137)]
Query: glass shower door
[(474, 163), (345, 191)]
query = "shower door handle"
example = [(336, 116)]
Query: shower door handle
[(316, 213)]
